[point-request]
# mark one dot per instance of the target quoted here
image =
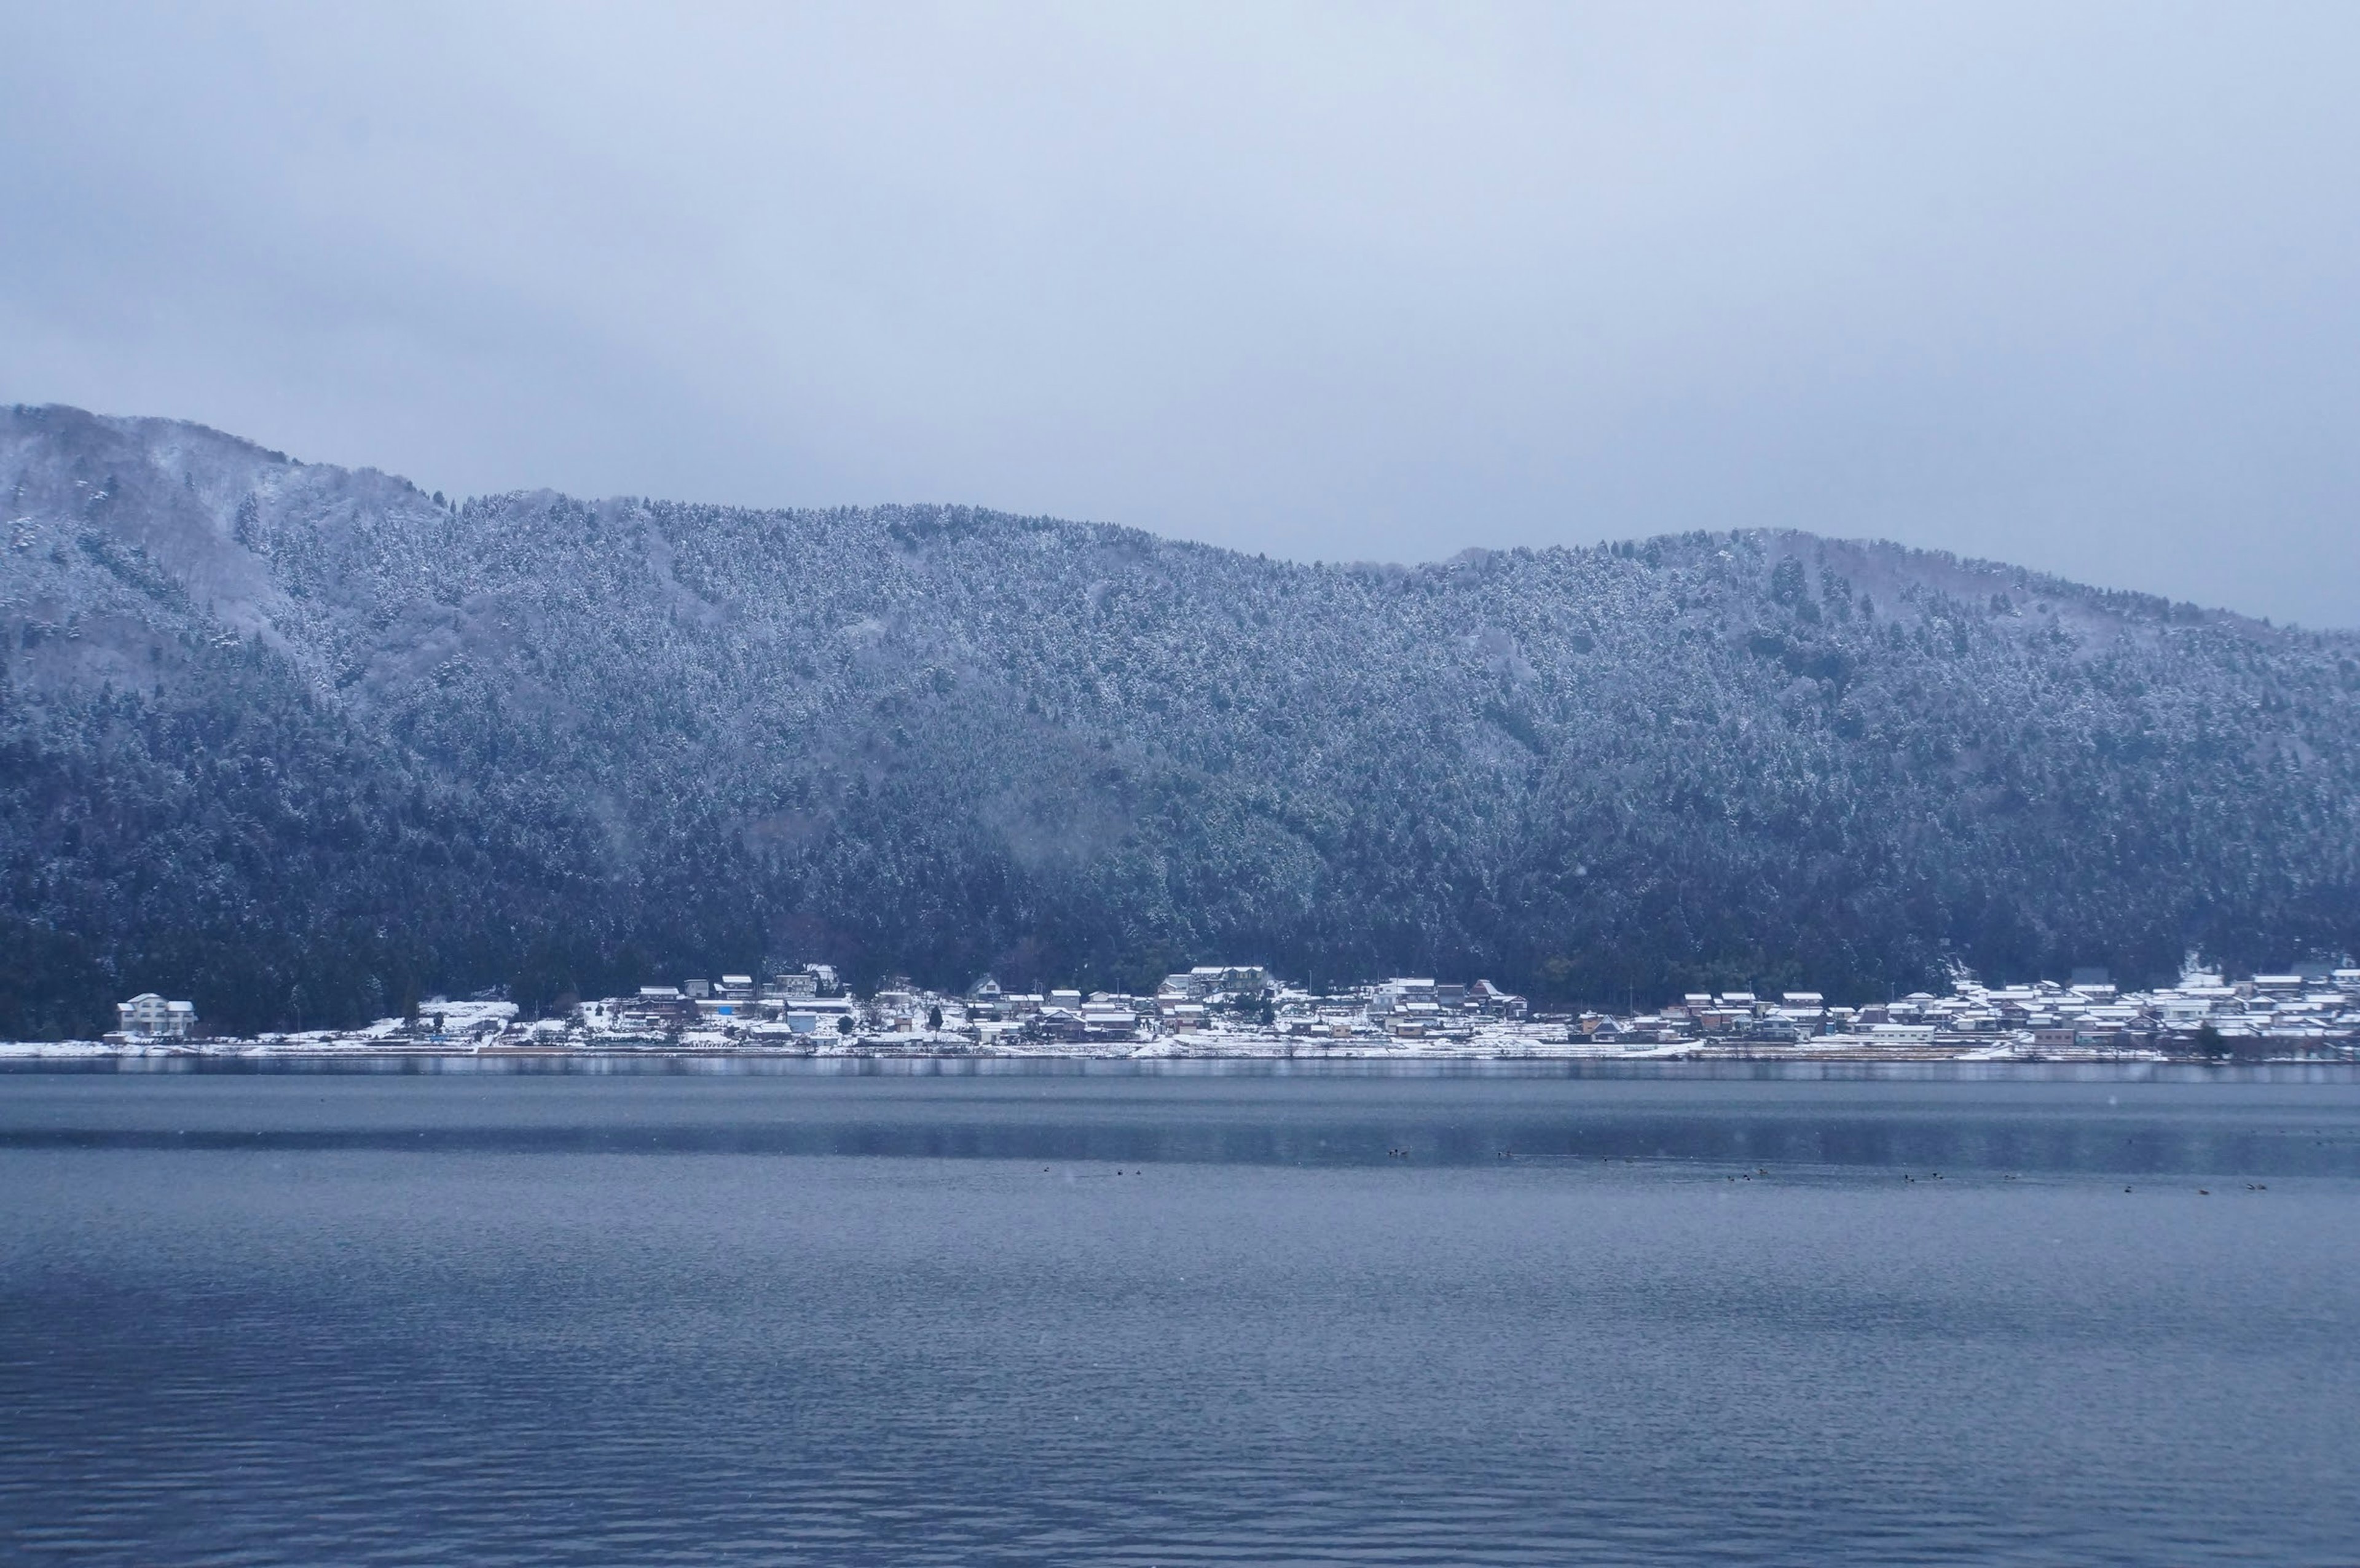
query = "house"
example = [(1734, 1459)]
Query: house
[(983, 1001), (1110, 1021), (149, 1016), (1495, 1003), (819, 1015), (1397, 993), (1209, 980), (657, 1009), (1057, 1026)]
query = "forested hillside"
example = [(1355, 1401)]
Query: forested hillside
[(297, 741)]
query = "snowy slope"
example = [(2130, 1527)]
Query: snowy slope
[(311, 737)]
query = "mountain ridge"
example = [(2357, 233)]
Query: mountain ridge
[(316, 738)]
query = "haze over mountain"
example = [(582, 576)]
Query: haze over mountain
[(299, 741), (2065, 285)]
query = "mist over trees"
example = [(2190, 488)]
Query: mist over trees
[(303, 743)]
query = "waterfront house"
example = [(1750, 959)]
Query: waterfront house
[(149, 1016)]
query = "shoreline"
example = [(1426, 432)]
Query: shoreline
[(937, 1054)]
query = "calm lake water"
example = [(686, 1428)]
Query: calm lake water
[(1262, 1317)]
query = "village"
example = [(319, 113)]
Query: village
[(1243, 1010)]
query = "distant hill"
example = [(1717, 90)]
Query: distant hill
[(297, 740)]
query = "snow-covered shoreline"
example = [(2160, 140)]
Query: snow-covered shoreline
[(326, 1047), (1239, 1012)]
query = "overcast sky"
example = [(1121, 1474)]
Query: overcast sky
[(2072, 285)]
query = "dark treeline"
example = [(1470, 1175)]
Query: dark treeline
[(302, 743)]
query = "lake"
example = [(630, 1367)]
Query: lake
[(882, 1313)]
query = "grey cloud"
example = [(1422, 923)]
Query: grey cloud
[(2072, 287)]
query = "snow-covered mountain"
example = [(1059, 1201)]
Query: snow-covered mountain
[(295, 739)]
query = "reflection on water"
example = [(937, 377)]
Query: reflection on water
[(2137, 1121), (861, 1314)]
